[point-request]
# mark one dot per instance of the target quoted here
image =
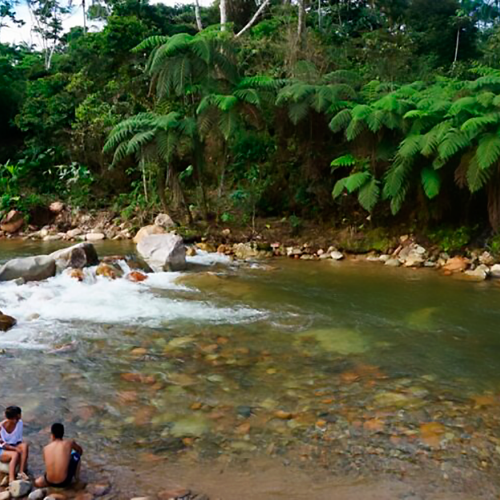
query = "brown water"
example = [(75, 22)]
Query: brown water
[(281, 380)]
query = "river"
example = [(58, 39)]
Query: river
[(266, 380)]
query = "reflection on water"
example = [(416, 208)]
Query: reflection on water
[(349, 366)]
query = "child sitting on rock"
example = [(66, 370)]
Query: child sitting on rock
[(62, 460), (11, 436)]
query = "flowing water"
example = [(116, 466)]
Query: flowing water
[(278, 379)]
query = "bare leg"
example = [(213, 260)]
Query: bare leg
[(23, 449), (10, 457)]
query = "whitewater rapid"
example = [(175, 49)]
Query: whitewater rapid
[(61, 308)]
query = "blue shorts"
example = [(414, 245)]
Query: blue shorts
[(1, 451)]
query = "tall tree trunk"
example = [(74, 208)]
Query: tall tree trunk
[(84, 17), (319, 15), (223, 14), (301, 27), (457, 45), (197, 15)]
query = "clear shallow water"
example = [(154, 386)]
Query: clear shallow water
[(287, 359)]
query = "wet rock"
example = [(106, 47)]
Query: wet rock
[(19, 488), (163, 252), (480, 273), (95, 236), (148, 231), (29, 268), (136, 276), (384, 257), (12, 222), (190, 251), (294, 252), (99, 489), (76, 274), (73, 233), (53, 237), (38, 494), (245, 251), (339, 340), (6, 323), (487, 259), (336, 255), (109, 271), (77, 257), (164, 221), (495, 271), (392, 262), (456, 265), (205, 247)]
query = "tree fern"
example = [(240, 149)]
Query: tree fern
[(488, 150)]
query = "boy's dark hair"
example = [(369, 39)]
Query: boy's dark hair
[(12, 412), (57, 430)]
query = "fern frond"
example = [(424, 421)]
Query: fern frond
[(369, 194), (341, 120), (453, 142), (339, 187), (488, 150), (356, 180), (431, 182), (150, 43), (477, 177), (343, 161)]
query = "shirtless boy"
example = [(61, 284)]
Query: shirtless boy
[(62, 460), (11, 437)]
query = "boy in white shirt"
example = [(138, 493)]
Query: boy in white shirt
[(11, 438)]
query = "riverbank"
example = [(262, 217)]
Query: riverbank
[(449, 252)]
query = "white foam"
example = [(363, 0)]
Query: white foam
[(48, 310), (203, 258)]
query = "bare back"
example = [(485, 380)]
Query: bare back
[(56, 456)]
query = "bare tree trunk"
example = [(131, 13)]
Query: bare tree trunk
[(457, 45), (302, 23), (254, 18), (223, 14), (84, 17), (319, 15), (197, 15)]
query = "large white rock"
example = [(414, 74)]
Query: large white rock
[(77, 257), (38, 494), (163, 252), (29, 268), (19, 489), (148, 231)]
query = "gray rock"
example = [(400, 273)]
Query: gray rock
[(392, 263), (336, 255), (36, 268), (495, 271), (6, 323), (73, 233), (77, 257), (165, 221), (19, 488), (163, 252), (38, 494), (95, 236)]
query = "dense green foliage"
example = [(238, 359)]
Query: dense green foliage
[(396, 102)]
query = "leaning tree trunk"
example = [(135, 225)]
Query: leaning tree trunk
[(197, 15), (223, 14), (457, 45)]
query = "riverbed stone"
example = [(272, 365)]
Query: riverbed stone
[(12, 222), (163, 252), (5, 495), (35, 268), (392, 262), (336, 255), (77, 257), (245, 251), (164, 221), (175, 494), (73, 233), (148, 231), (6, 323), (480, 273), (95, 236), (38, 494), (19, 488), (456, 265), (99, 489)]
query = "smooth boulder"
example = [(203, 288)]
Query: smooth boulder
[(148, 231), (19, 488), (163, 252), (35, 268), (77, 257), (12, 222), (6, 323)]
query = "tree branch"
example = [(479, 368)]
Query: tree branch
[(254, 18)]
